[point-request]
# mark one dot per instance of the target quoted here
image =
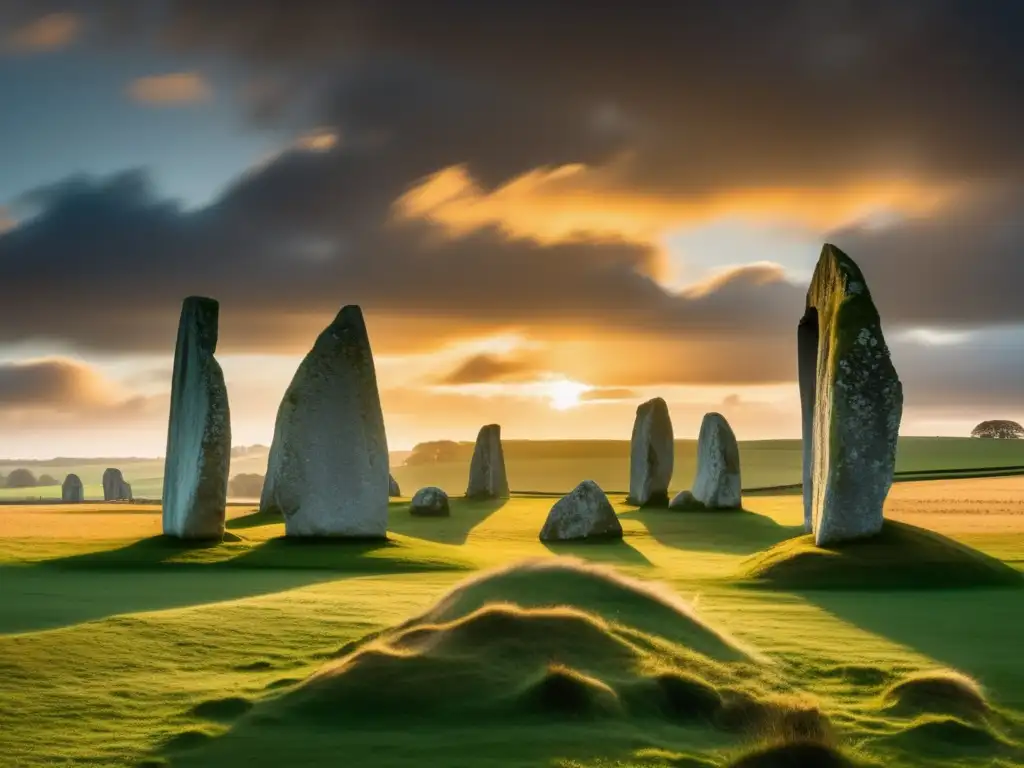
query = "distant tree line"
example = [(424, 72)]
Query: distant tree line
[(23, 478), (1000, 429), (247, 485)]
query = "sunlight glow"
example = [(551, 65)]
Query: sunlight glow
[(565, 394)]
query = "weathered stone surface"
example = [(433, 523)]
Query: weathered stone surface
[(584, 513), (327, 472), (852, 403), (651, 454), (487, 478), (685, 500), (199, 429), (717, 483), (393, 489), (430, 502), (114, 486), (72, 491)]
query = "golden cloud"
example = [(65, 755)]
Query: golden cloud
[(171, 89), (554, 204), (47, 33)]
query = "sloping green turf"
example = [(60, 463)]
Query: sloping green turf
[(442, 648)]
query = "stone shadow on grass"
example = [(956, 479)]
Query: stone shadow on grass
[(254, 519), (609, 551), (729, 531), (465, 515)]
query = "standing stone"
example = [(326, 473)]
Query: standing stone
[(651, 454), (199, 429), (327, 472), (717, 484), (72, 491), (430, 502), (584, 513), (487, 478), (852, 403), (393, 489), (114, 486)]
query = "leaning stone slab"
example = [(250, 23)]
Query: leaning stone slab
[(487, 478), (195, 490), (717, 483), (852, 403), (430, 502), (114, 486), (72, 491), (584, 513), (393, 489), (327, 472), (651, 454)]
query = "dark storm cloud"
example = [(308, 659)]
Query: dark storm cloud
[(703, 97), (61, 385), (105, 264), (712, 94)]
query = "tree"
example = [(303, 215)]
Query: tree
[(433, 452), (1000, 429), (47, 480), (21, 478), (246, 485)]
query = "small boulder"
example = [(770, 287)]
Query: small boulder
[(430, 502), (72, 491), (584, 513), (651, 454), (487, 478), (393, 490), (114, 486), (717, 484), (685, 500)]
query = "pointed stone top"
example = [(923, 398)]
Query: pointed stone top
[(486, 428), (836, 273), (655, 403), (350, 318), (201, 315)]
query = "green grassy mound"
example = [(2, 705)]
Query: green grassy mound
[(798, 754), (941, 692), (519, 645), (942, 736), (636, 606), (900, 557)]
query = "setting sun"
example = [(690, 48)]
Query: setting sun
[(565, 394)]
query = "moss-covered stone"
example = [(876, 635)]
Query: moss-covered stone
[(852, 402)]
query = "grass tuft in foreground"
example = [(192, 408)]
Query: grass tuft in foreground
[(900, 557)]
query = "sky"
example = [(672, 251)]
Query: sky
[(549, 212)]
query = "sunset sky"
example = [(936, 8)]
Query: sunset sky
[(549, 212)]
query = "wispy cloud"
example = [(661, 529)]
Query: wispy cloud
[(47, 33), (171, 89)]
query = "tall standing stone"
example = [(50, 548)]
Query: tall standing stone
[(199, 429), (487, 478), (651, 454), (72, 491), (852, 403), (114, 486), (717, 483), (327, 472)]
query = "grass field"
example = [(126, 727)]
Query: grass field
[(120, 649), (556, 466)]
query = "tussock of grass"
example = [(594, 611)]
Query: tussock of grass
[(937, 735), (900, 557), (565, 692), (222, 710), (941, 692), (797, 754)]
